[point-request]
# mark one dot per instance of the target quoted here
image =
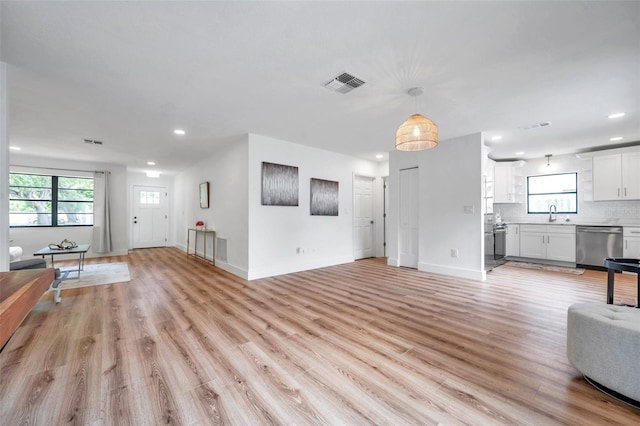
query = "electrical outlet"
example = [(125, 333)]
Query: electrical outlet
[(454, 252), (468, 209)]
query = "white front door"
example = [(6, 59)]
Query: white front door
[(149, 220), (408, 233), (362, 217)]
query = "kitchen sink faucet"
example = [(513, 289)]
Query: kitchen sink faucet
[(552, 213)]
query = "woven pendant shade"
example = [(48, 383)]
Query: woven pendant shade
[(416, 134)]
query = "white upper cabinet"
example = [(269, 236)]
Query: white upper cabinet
[(616, 177), (631, 176), (507, 182)]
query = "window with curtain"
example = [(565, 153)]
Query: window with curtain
[(560, 190), (46, 200)]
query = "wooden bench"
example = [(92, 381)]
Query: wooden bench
[(19, 293)]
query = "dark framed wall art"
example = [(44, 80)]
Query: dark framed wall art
[(279, 185), (204, 195), (324, 197)]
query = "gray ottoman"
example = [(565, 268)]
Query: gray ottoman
[(603, 343)]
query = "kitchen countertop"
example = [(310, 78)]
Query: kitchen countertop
[(583, 222)]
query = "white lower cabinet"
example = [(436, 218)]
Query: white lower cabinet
[(549, 242), (513, 240), (533, 241), (631, 243)]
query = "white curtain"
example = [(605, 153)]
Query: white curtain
[(101, 217)]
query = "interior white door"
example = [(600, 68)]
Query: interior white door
[(408, 232), (149, 217), (363, 217), (385, 225)]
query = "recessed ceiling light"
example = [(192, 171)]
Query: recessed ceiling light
[(617, 115), (617, 138), (150, 163), (179, 132), (496, 138), (15, 148), (153, 174), (379, 156), (520, 153)]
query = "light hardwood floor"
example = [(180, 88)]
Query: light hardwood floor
[(360, 343)]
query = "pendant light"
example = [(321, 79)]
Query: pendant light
[(418, 132), (548, 158)]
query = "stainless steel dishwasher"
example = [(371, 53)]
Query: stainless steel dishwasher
[(596, 243)]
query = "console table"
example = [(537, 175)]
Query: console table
[(614, 264), (204, 233)]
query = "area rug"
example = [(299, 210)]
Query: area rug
[(542, 267), (98, 274)]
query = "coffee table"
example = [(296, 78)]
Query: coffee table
[(80, 250)]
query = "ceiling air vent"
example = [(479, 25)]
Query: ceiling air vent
[(536, 125), (344, 83)]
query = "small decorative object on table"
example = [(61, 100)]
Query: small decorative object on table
[(200, 225), (64, 245)]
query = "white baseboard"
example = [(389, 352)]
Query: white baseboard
[(275, 270), (239, 272), (470, 274), (122, 252)]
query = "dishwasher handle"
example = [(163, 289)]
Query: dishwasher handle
[(599, 230)]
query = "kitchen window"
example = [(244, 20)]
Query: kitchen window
[(560, 190), (43, 200)]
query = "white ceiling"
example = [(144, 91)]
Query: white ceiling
[(129, 73)]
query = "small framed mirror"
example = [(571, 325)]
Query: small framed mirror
[(204, 195)]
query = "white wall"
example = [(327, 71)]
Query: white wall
[(263, 240), (226, 171), (588, 211), (450, 178), (33, 239), (276, 232), (4, 172)]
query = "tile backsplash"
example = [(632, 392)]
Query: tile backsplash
[(587, 210), (595, 211)]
